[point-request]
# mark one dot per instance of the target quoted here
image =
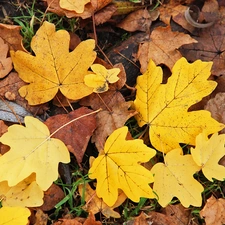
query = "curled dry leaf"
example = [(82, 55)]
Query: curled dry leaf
[(213, 211), (216, 106), (5, 62), (162, 47), (70, 135), (105, 14)]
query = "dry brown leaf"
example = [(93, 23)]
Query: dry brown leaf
[(170, 9), (3, 129), (51, 197), (72, 133), (210, 47), (213, 211), (162, 47), (89, 9), (139, 20), (41, 218), (178, 214), (114, 114), (11, 84), (67, 222), (91, 220), (105, 14), (94, 204), (5, 62), (216, 106), (11, 35)]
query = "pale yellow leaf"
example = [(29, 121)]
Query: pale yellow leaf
[(31, 151), (73, 5), (175, 179), (207, 154), (27, 193)]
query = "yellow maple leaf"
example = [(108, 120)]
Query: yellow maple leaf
[(164, 107), (73, 5), (207, 154), (101, 77), (53, 67), (14, 215), (118, 167), (175, 179), (25, 194), (31, 151)]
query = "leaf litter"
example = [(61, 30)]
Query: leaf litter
[(116, 109)]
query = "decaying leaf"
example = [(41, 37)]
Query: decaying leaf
[(5, 62), (77, 6), (94, 204), (159, 50), (118, 167), (70, 135), (213, 211), (101, 77), (89, 8), (139, 20), (25, 194), (53, 67), (31, 151), (216, 107), (51, 197), (210, 47), (11, 35), (175, 179), (207, 153), (115, 112), (14, 215), (164, 107)]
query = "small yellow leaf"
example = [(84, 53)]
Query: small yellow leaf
[(25, 194), (31, 151), (207, 154), (14, 215), (164, 107), (118, 167), (175, 179), (73, 5), (53, 67), (101, 77)]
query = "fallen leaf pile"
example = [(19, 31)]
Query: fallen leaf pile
[(65, 104)]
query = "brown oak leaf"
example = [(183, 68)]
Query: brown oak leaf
[(162, 47)]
